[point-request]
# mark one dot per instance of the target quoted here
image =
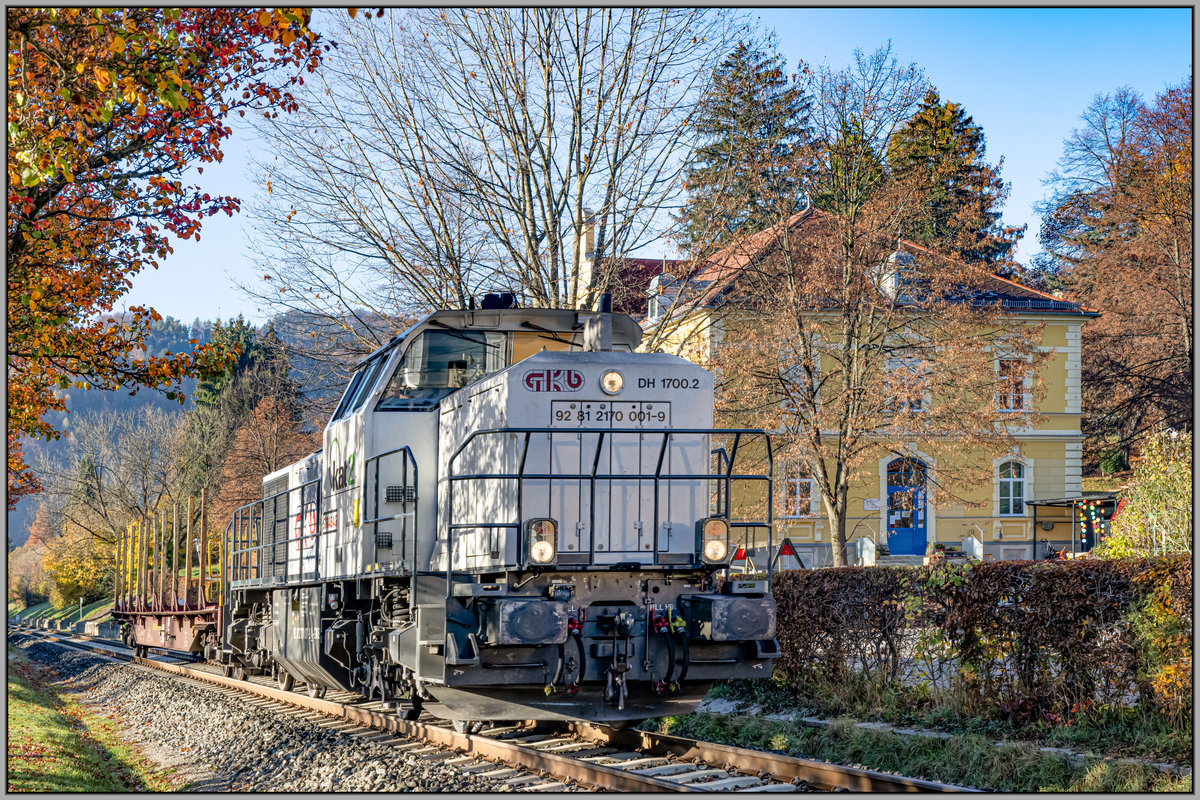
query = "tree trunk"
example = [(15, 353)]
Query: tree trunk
[(837, 522)]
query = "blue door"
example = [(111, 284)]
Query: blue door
[(906, 507)]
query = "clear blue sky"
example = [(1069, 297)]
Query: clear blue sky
[(1024, 75)]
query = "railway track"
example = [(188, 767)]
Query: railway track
[(542, 758)]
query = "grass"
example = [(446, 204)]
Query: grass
[(69, 613), (1111, 731), (56, 745), (964, 760), (1107, 483), (32, 612)]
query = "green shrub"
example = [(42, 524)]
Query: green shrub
[(1015, 644), (1155, 514), (1113, 461)]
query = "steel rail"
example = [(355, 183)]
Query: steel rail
[(783, 768), (560, 767), (746, 762)]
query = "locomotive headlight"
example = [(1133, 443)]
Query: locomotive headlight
[(714, 540), (612, 382), (543, 536), (715, 550), (542, 552)]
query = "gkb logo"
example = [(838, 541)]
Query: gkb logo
[(553, 380)]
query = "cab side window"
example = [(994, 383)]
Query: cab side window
[(360, 386), (348, 397), (372, 375)]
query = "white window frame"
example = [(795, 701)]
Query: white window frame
[(913, 366), (796, 374), (793, 479), (1011, 482), (1026, 394)]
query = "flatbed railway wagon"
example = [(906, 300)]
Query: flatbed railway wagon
[(514, 515)]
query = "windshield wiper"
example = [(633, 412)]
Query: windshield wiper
[(554, 337), (461, 335)]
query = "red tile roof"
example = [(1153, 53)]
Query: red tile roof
[(631, 282)]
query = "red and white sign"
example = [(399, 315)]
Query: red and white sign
[(553, 380), (306, 525)]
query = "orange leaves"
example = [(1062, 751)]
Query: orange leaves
[(100, 101)]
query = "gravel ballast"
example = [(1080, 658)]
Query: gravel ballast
[(218, 743)]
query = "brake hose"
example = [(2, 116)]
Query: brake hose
[(558, 671), (576, 629), (677, 624), (666, 633), (582, 658), (681, 627)]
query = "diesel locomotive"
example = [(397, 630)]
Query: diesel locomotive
[(513, 516)]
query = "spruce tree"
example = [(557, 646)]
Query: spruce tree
[(237, 336), (224, 403), (746, 174), (943, 150)]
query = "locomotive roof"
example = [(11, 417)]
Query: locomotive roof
[(555, 320)]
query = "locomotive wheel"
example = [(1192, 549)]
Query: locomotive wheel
[(284, 681), (227, 670), (239, 673), (316, 692)]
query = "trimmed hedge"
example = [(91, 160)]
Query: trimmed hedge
[(1026, 640)]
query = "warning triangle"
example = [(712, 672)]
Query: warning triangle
[(786, 557)]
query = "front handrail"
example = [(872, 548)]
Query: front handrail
[(725, 477)]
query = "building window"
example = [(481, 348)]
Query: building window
[(799, 496), (1012, 489), (1010, 385), (905, 385)]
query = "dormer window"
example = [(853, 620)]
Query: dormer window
[(897, 274), (663, 290)]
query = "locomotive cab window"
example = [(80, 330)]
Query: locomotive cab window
[(348, 397), (439, 362), (360, 387)]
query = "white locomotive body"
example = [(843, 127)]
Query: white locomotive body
[(513, 516)]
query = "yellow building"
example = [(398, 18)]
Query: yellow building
[(891, 503)]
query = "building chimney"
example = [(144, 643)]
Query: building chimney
[(585, 249)]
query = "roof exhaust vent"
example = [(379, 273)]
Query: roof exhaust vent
[(597, 330)]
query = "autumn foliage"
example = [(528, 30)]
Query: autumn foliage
[(106, 109), (1118, 231)]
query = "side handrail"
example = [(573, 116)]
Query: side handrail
[(410, 516), (246, 526)]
